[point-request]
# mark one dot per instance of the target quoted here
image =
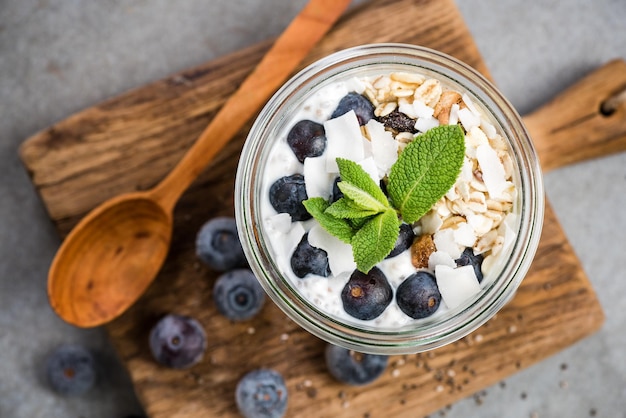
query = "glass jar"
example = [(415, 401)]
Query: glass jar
[(418, 335)]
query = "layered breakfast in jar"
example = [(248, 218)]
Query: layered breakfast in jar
[(389, 198)]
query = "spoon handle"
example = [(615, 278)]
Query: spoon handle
[(290, 48)]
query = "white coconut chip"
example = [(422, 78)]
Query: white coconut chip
[(440, 258), (488, 129), (430, 223), (369, 166), (470, 104), (340, 257), (468, 119), (444, 241), (317, 181), (492, 170), (384, 146), (456, 285), (408, 109), (356, 85), (344, 139), (280, 222), (422, 110), (464, 235), (454, 114), (424, 124)]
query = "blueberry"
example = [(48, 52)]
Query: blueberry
[(287, 194), (307, 139), (262, 393), (404, 241), (468, 258), (361, 105), (177, 341), (218, 245), (399, 122), (353, 368), (337, 193), (366, 296), (418, 295), (71, 370), (238, 295), (308, 259)]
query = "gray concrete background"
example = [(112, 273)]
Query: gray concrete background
[(60, 56)]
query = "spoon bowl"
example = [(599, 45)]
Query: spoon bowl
[(109, 259)]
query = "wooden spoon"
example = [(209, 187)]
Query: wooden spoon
[(109, 259)]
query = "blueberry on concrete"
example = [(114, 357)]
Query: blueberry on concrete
[(468, 258), (262, 393), (238, 295), (307, 139), (71, 370), (361, 105), (366, 296), (353, 368), (287, 194), (418, 295), (404, 241), (177, 341), (218, 245)]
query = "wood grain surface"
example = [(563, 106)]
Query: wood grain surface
[(130, 142)]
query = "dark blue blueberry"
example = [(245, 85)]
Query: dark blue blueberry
[(366, 296), (404, 241), (262, 393), (71, 370), (468, 258), (287, 194), (218, 245), (177, 341), (361, 105), (418, 295), (238, 295), (353, 368), (307, 139), (337, 193), (308, 259)]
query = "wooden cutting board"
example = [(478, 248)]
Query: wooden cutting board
[(130, 142)]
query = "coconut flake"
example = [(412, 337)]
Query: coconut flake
[(468, 119), (422, 110), (464, 235), (431, 222), (280, 222), (316, 180), (340, 257), (492, 170), (344, 139), (444, 241), (384, 146), (456, 285), (454, 114), (470, 104), (440, 258), (424, 124), (356, 85), (369, 166), (488, 129)]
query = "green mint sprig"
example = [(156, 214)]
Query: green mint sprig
[(370, 222)]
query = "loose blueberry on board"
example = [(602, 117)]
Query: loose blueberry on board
[(287, 194), (307, 259), (366, 296), (262, 393), (177, 341), (238, 295), (468, 258), (404, 241), (361, 105), (71, 370), (218, 245), (353, 368), (399, 122), (307, 139), (418, 295)]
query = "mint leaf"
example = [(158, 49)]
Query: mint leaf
[(426, 170), (360, 198), (347, 209), (354, 174), (338, 227), (375, 240)]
